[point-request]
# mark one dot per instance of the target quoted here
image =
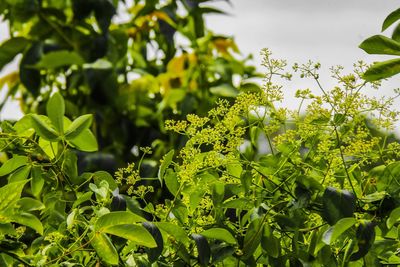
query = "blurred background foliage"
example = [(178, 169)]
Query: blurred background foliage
[(133, 64)]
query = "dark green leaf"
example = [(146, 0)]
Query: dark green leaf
[(78, 126), (167, 159), (379, 44), (104, 176), (252, 239), (117, 218), (171, 181), (43, 128), (270, 243), (86, 141), (203, 249), (20, 175), (174, 230), (135, 233), (10, 48), (27, 219), (393, 218), (12, 164), (58, 59), (381, 70), (337, 204), (390, 19), (104, 248), (55, 109), (219, 234), (336, 230), (11, 193)]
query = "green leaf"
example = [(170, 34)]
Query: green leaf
[(135, 233), (390, 19), (43, 128), (154, 253), (20, 175), (374, 197), (37, 181), (104, 248), (174, 230), (86, 141), (78, 126), (336, 230), (167, 159), (203, 249), (29, 220), (11, 193), (224, 90), (55, 109), (382, 45), (117, 218), (171, 181), (104, 176), (219, 234), (337, 204), (382, 70), (56, 59), (270, 243), (12, 164), (10, 48), (30, 204), (252, 239), (393, 218)]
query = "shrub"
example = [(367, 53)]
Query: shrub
[(254, 184)]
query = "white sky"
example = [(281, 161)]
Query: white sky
[(327, 31)]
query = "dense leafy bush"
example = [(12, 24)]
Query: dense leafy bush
[(251, 184), (254, 184), (132, 64)]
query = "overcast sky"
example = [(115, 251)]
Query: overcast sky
[(328, 31)]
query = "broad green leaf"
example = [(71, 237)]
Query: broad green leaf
[(166, 161), (219, 234), (78, 126), (55, 109), (174, 230), (29, 220), (29, 204), (43, 128), (37, 181), (203, 249), (10, 48), (270, 243), (171, 181), (10, 193), (381, 70), (117, 218), (24, 126), (154, 253), (135, 233), (50, 148), (12, 164), (104, 248), (20, 175), (393, 218), (7, 229), (337, 204), (374, 197), (379, 44), (390, 19), (104, 176), (252, 239), (86, 141), (218, 193), (333, 232), (224, 90), (58, 59)]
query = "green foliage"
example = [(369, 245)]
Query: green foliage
[(379, 44), (246, 183), (255, 184), (132, 64)]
